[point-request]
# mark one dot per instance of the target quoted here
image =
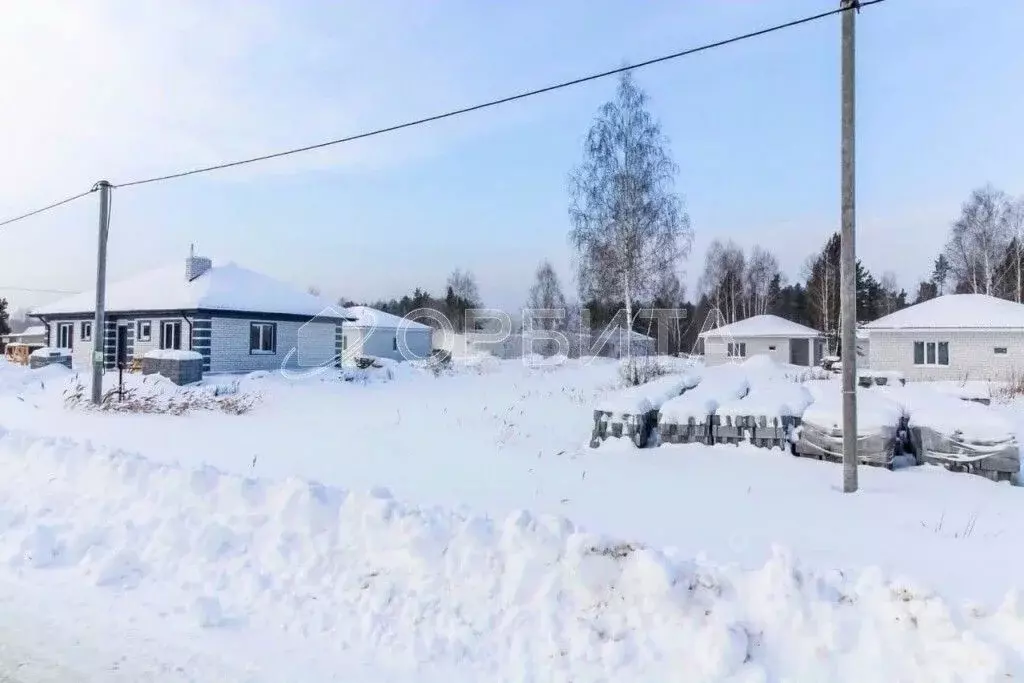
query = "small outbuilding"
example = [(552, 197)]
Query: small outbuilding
[(18, 346), (384, 335), (784, 340), (951, 337)]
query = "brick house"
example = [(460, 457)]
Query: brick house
[(237, 319), (951, 337)]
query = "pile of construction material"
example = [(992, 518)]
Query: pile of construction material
[(633, 412), (766, 416), (690, 418), (960, 435), (881, 427)]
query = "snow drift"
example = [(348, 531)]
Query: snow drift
[(526, 598)]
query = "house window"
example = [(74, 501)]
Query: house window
[(86, 331), (1000, 350), (65, 335), (394, 343), (263, 338), (170, 334), (144, 330), (931, 353), (771, 348), (737, 350)]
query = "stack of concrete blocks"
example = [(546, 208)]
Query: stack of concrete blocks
[(181, 367), (637, 428), (692, 431), (732, 428)]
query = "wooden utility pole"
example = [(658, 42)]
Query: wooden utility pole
[(848, 290), (99, 334)]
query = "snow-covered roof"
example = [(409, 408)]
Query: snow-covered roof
[(371, 317), (221, 288), (762, 326), (955, 311), (33, 331)]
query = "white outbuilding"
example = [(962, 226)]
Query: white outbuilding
[(784, 340), (951, 337), (384, 335)]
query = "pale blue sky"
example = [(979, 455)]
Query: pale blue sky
[(754, 129)]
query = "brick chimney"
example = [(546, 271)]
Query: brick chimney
[(195, 265)]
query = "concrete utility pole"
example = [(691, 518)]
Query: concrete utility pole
[(99, 334), (848, 288)]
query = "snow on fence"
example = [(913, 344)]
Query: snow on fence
[(633, 412), (881, 427), (959, 434), (765, 416), (687, 418)]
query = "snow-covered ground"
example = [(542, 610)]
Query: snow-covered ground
[(458, 528)]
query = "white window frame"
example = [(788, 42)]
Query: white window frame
[(166, 325), (65, 335), (139, 336), (263, 327), (930, 354), (736, 350), (86, 330)]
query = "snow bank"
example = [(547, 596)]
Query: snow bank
[(526, 598), (173, 354), (876, 411), (647, 397)]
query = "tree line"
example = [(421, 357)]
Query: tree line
[(631, 236)]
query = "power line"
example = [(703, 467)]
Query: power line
[(46, 208), (505, 100), (4, 288)]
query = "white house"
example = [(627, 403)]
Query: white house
[(952, 337), (784, 340), (237, 319), (384, 335)]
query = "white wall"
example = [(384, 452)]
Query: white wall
[(380, 342), (715, 349), (81, 351), (971, 354), (229, 345), (141, 348)]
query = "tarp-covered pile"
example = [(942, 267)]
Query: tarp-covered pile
[(959, 434), (879, 422)]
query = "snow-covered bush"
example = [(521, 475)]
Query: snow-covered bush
[(155, 394), (637, 370)]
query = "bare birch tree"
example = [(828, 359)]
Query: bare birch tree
[(978, 241), (628, 225), (762, 268), (546, 293)]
